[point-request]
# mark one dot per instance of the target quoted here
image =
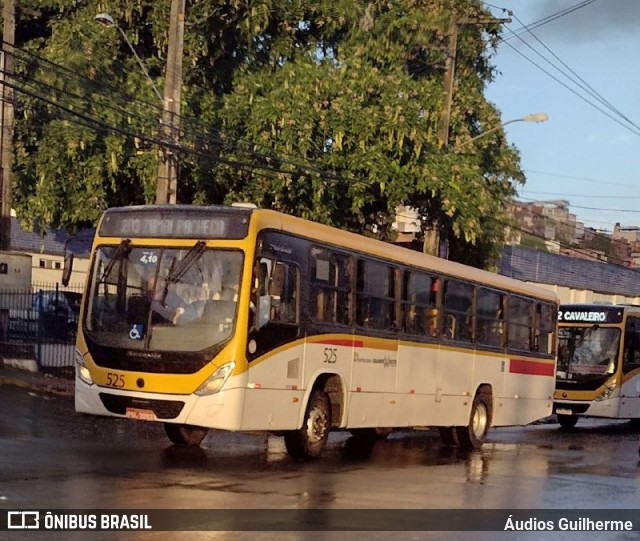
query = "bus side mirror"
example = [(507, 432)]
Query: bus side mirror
[(68, 267)]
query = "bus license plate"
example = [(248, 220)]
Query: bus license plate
[(562, 411), (140, 415)]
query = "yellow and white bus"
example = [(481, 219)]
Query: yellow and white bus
[(246, 319), (598, 362)]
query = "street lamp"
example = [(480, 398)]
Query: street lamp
[(107, 20), (166, 188), (534, 117)]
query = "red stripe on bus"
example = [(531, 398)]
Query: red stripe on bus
[(343, 342), (520, 366)]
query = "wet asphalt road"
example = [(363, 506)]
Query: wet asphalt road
[(51, 457)]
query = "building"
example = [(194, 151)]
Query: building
[(574, 280), (47, 250)]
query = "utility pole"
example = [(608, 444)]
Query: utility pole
[(6, 152), (450, 68), (432, 234), (167, 185)]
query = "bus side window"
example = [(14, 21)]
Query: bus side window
[(520, 323), (283, 287), (458, 322), (631, 359), (490, 317)]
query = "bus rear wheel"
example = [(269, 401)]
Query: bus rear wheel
[(310, 440), (472, 436), (567, 421), (185, 434)]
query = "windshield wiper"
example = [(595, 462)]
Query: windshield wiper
[(176, 272), (123, 249)]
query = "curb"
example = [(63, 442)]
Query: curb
[(44, 387)]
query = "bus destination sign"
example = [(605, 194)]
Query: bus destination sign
[(174, 223), (589, 314)]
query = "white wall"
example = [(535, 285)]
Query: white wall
[(584, 296), (48, 269)]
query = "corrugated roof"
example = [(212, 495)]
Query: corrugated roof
[(52, 242), (547, 268)]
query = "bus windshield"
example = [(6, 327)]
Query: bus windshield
[(163, 298), (587, 352)]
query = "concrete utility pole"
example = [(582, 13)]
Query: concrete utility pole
[(432, 234), (167, 185), (6, 152)]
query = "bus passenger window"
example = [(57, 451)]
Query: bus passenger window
[(330, 286), (421, 304), (458, 305), (490, 318), (520, 326), (375, 295), (283, 289), (631, 359), (544, 329)]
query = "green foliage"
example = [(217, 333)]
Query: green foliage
[(328, 110), (529, 241)]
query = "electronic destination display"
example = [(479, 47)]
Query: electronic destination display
[(590, 314), (176, 222)]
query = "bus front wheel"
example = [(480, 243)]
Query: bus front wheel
[(310, 440), (567, 421), (185, 434), (472, 436)]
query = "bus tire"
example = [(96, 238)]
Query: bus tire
[(371, 434), (185, 434), (310, 440), (567, 422), (472, 436)]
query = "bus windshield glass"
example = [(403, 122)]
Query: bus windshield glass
[(163, 299), (587, 352)]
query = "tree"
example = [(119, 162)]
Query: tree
[(328, 110)]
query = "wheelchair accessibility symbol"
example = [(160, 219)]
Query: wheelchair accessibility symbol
[(136, 332)]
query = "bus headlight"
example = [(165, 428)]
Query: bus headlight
[(606, 393), (83, 371), (215, 382)]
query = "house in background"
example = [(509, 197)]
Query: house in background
[(47, 250)]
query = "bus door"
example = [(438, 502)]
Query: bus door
[(274, 304)]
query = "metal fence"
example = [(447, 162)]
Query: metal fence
[(40, 323)]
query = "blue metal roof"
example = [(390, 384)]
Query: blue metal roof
[(50, 241), (543, 267)]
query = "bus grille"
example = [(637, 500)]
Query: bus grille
[(163, 409)]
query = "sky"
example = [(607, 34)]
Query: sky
[(588, 152)]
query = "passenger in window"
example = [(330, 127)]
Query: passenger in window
[(431, 323), (165, 301)]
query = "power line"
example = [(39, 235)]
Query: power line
[(583, 195), (635, 132), (584, 179), (582, 83), (545, 20), (188, 125), (298, 168)]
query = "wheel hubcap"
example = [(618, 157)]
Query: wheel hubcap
[(480, 420), (316, 426)]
